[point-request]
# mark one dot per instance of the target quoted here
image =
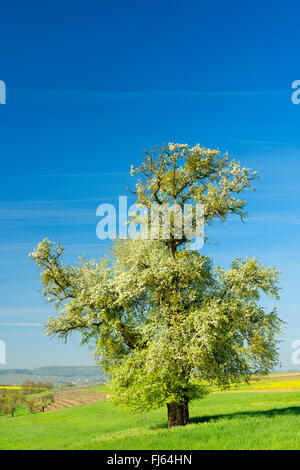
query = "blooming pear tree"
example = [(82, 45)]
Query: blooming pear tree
[(164, 323)]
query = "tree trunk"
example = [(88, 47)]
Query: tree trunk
[(178, 414)]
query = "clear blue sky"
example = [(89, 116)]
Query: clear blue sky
[(91, 84)]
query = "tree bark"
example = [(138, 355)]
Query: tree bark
[(178, 414)]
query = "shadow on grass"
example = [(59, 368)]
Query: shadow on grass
[(291, 410)]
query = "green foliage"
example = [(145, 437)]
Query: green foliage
[(9, 401), (32, 404), (29, 387), (40, 402), (45, 400), (165, 324), (179, 174)]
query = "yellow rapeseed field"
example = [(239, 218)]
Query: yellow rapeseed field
[(272, 384), (9, 387)]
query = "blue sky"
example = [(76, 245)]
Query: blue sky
[(92, 84)]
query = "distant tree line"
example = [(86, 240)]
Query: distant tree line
[(11, 400), (29, 387), (40, 403)]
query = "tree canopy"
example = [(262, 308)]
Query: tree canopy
[(164, 323)]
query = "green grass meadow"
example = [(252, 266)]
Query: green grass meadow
[(220, 421)]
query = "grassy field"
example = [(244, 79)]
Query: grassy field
[(243, 420), (264, 414)]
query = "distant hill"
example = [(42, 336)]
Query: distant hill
[(58, 375)]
